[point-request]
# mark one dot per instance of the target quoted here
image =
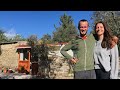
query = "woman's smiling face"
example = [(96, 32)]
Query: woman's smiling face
[(99, 29)]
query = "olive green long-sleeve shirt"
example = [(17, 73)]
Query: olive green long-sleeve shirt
[(83, 50)]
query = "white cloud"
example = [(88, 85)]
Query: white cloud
[(10, 33)]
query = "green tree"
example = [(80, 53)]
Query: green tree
[(32, 40), (66, 31), (17, 37), (39, 53), (112, 18), (46, 38), (3, 38)]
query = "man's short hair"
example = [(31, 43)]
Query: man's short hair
[(82, 20)]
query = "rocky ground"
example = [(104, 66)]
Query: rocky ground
[(15, 76)]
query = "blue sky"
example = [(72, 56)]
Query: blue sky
[(39, 23)]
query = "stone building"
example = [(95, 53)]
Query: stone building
[(9, 56)]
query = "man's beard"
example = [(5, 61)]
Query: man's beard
[(82, 33)]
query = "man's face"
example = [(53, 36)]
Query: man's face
[(83, 27)]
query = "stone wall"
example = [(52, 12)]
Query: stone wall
[(59, 67), (9, 56)]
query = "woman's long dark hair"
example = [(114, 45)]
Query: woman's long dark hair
[(107, 40)]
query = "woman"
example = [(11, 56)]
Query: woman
[(105, 53)]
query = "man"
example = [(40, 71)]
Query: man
[(83, 53)]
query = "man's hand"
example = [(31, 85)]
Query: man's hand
[(114, 41), (73, 60)]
